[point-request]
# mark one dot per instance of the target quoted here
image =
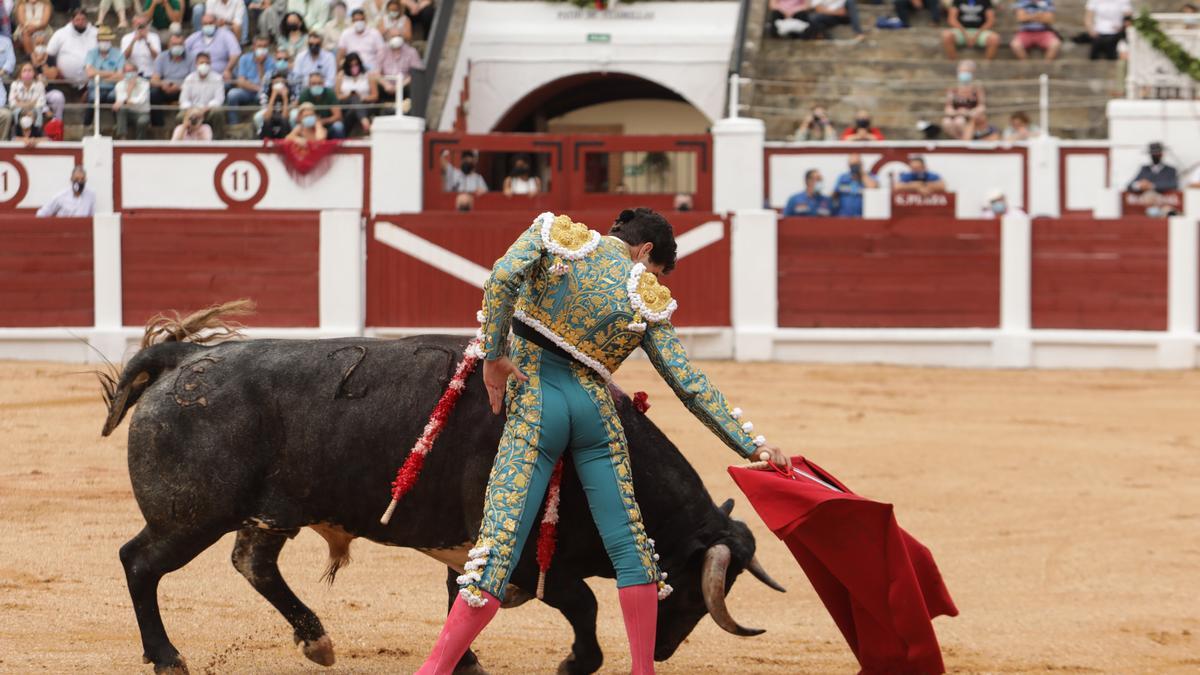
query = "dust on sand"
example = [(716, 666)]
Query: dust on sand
[(1063, 509)]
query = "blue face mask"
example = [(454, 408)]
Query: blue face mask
[(208, 30), (998, 208), (819, 186), (309, 122), (965, 77), (317, 90)]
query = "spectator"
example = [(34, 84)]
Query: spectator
[(309, 127), (394, 18), (192, 127), (1036, 30), (105, 5), (963, 101), (32, 17), (27, 131), (905, 8), (997, 206), (395, 68), (464, 201), (253, 69), (6, 115), (170, 70), (1019, 128), (970, 26), (163, 13), (230, 14), (421, 13), (815, 127), (520, 182), (812, 201), (75, 201), (683, 202), (204, 91), (26, 96), (979, 129), (355, 91), (788, 17), (826, 14), (8, 57), (315, 60), (848, 191), (363, 40), (272, 120), (325, 102), (862, 129), (1155, 177), (107, 63), (919, 179), (69, 48), (338, 23), (52, 126), (132, 100), (218, 43), (292, 32), (462, 178), (1105, 21), (141, 46)]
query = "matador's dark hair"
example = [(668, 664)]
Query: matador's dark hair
[(641, 225)]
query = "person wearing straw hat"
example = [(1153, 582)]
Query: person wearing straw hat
[(578, 304), (107, 62)]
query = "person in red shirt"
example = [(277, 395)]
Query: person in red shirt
[(862, 130), (52, 127)]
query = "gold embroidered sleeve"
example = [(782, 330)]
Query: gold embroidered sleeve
[(698, 394), (503, 287)]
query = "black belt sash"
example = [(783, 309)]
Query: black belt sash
[(524, 330)]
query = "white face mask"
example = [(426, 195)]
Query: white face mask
[(360, 26), (104, 46), (260, 52), (39, 49), (203, 69), (26, 122), (396, 42)]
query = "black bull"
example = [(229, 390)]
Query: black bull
[(264, 437)]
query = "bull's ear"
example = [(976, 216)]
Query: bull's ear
[(726, 507)]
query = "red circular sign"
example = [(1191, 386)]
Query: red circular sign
[(241, 182)]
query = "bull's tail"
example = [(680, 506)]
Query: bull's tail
[(167, 340)]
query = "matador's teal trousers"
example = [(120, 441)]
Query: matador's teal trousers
[(563, 407)]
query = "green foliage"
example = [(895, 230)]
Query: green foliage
[(1176, 54)]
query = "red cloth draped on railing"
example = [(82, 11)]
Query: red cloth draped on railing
[(880, 584), (305, 161)]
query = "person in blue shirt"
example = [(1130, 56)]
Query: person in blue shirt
[(106, 61), (254, 68), (848, 191), (919, 179), (810, 202)]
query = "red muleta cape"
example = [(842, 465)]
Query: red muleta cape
[(879, 583)]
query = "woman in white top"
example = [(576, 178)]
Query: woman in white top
[(356, 86), (27, 94), (31, 17), (394, 18), (519, 180)]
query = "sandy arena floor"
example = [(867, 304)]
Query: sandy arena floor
[(1063, 509)]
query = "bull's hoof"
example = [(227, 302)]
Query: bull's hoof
[(473, 669), (179, 667), (319, 651), (573, 666)]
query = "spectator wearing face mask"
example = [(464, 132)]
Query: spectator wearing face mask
[(862, 130), (919, 179), (363, 40), (971, 24), (811, 201), (1155, 177), (132, 102), (356, 90), (192, 127), (464, 201), (70, 46), (338, 23), (141, 46), (292, 33), (218, 43), (107, 62), (27, 131), (315, 59), (963, 101), (171, 68), (462, 178), (393, 18), (848, 191), (203, 90), (26, 96), (309, 127), (75, 201), (325, 101), (163, 13), (396, 66), (32, 17), (816, 127), (997, 206), (254, 68), (273, 120), (519, 180)]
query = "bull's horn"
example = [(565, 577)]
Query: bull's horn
[(726, 507), (759, 573), (716, 563)]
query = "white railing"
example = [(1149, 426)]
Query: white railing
[(1151, 74)]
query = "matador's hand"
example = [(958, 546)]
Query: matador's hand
[(774, 455), (495, 378)]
